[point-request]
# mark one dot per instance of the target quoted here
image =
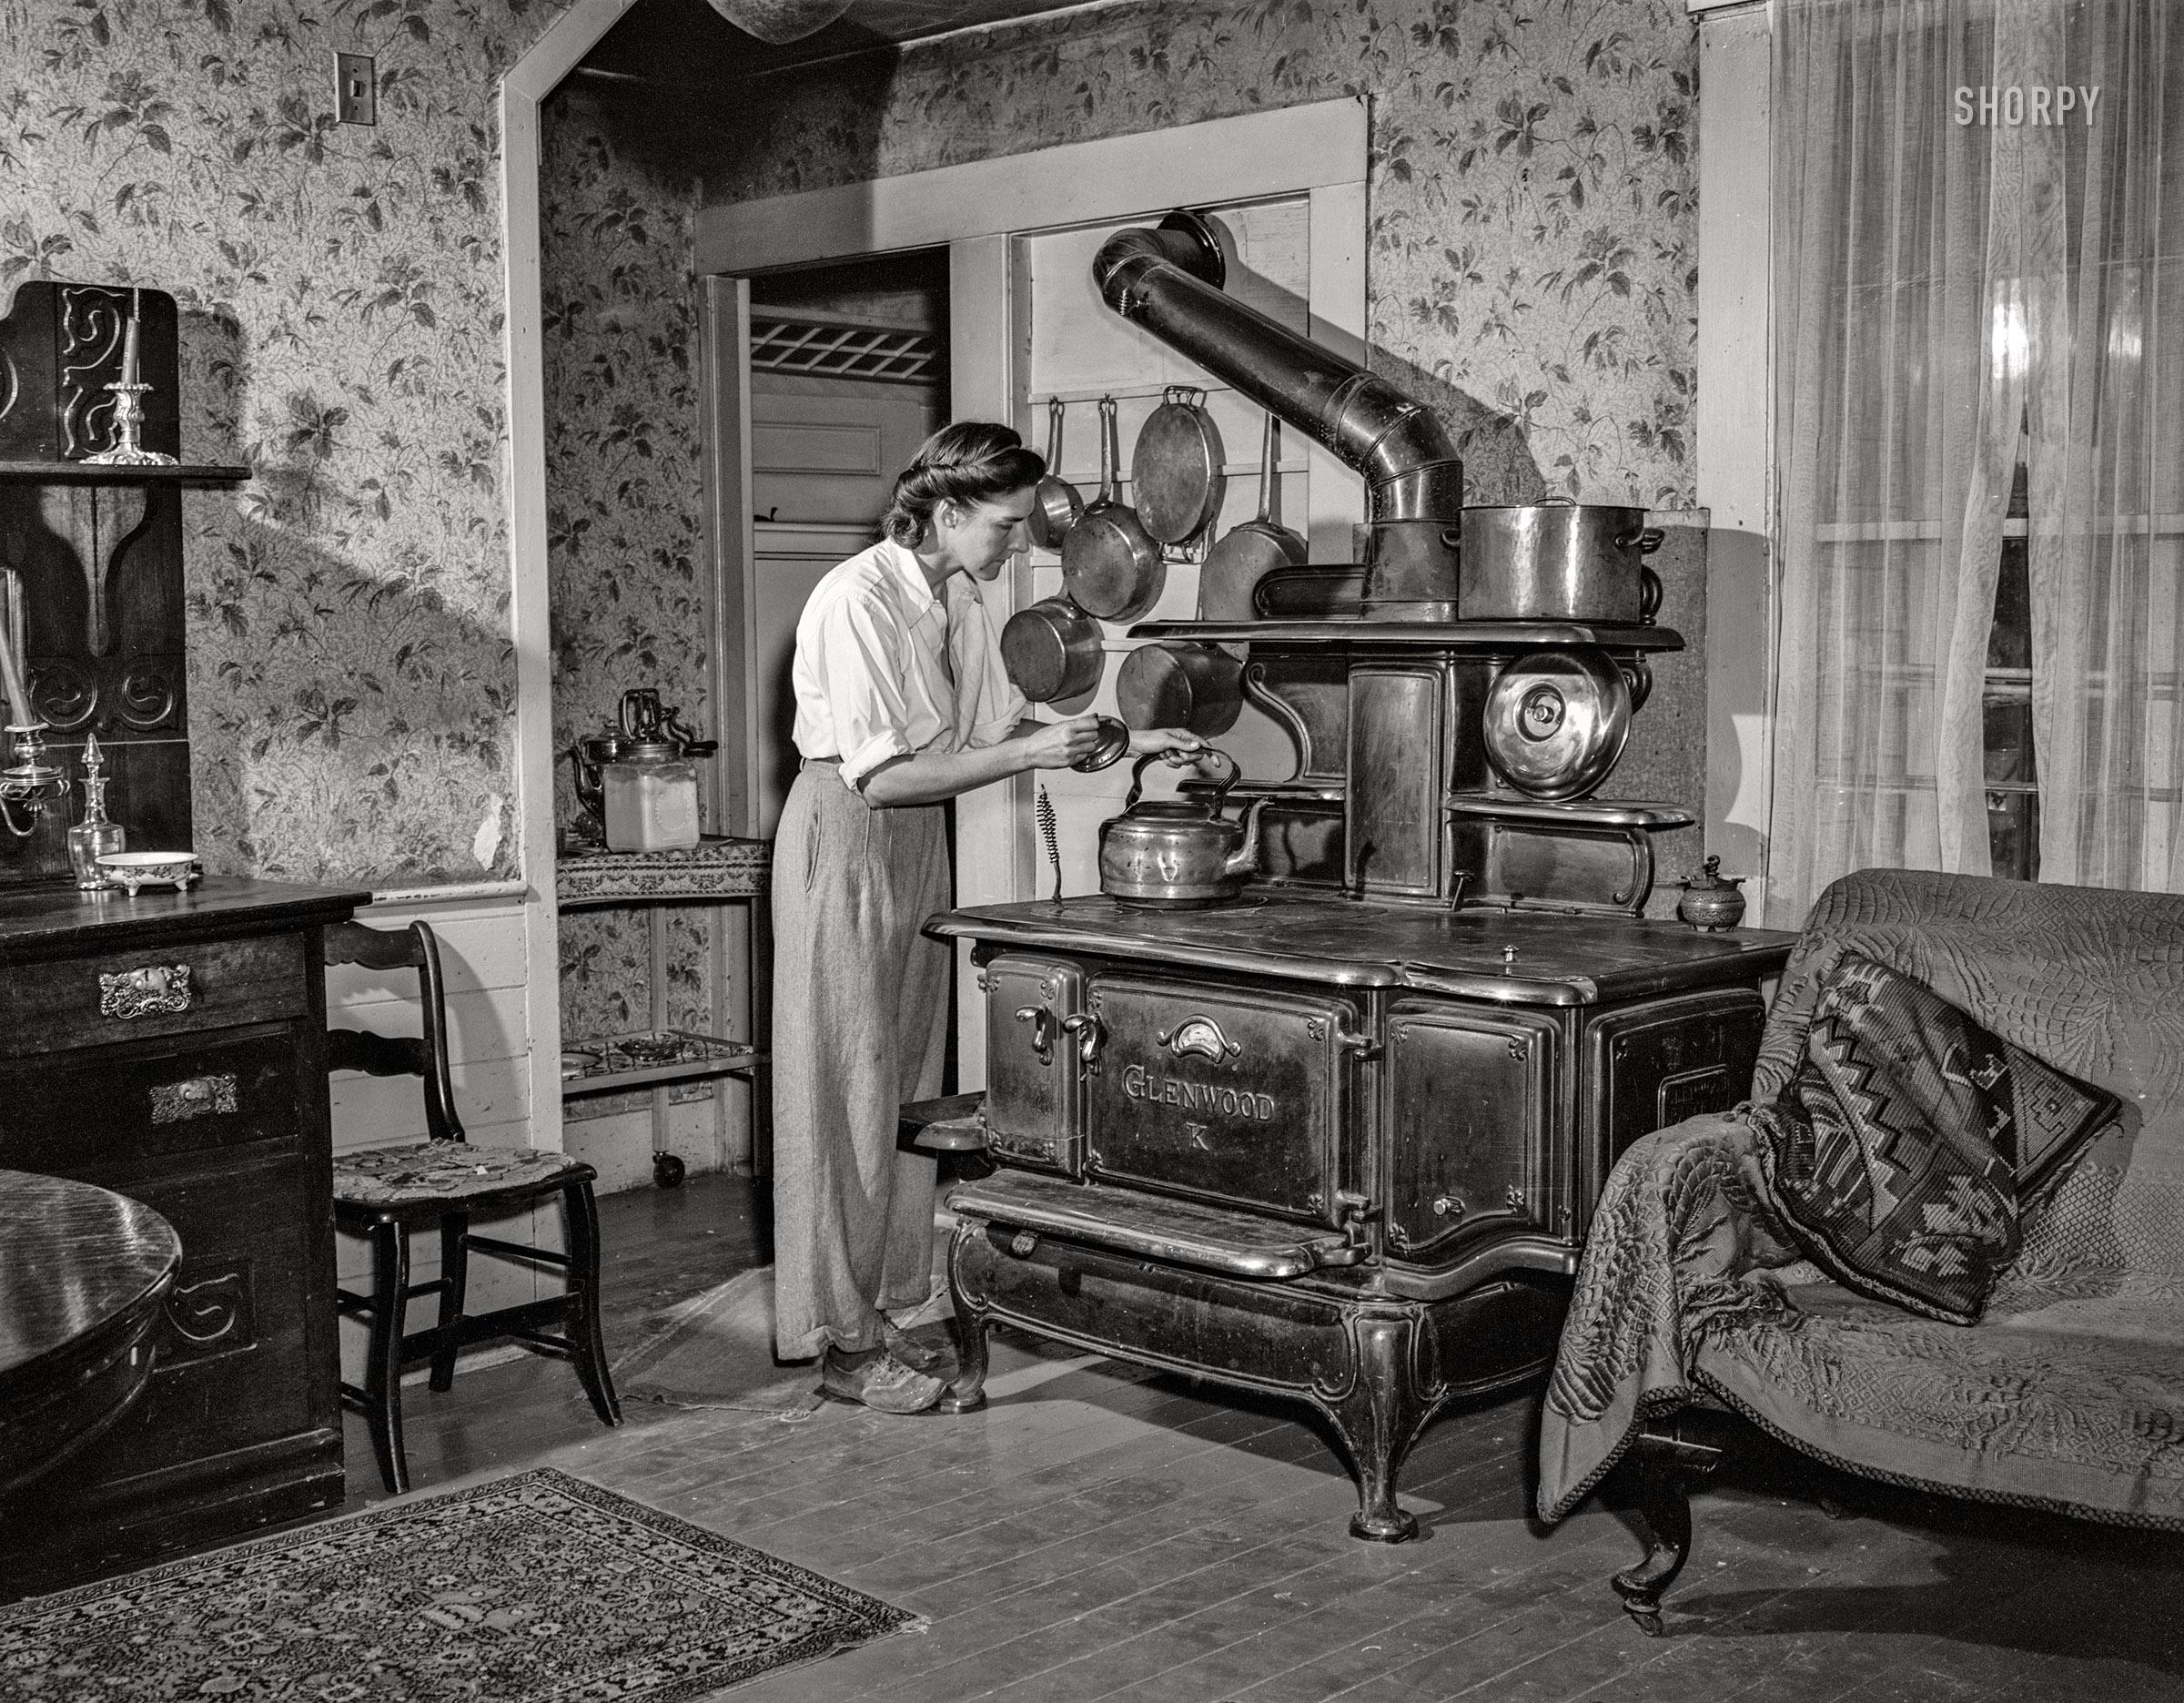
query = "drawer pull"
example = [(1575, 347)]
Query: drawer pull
[(199, 1097), (149, 990)]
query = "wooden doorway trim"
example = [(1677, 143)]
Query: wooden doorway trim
[(524, 90)]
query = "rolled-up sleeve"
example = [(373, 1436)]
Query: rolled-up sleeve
[(858, 670), (1001, 703)]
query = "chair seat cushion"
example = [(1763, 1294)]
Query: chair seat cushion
[(446, 1171)]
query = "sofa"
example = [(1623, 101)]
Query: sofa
[(1695, 1315)]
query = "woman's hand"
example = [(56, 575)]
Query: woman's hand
[(1178, 745), (1058, 745)]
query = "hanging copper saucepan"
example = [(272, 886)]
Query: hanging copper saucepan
[(1111, 566), (1178, 682), (1051, 650), (1246, 554), (1176, 479), (1054, 504)]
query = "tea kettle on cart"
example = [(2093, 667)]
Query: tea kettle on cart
[(650, 733)]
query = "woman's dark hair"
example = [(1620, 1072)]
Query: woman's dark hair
[(972, 460)]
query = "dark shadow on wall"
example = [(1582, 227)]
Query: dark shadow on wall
[(391, 668), (1498, 465), (710, 106)]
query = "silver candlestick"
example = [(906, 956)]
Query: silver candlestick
[(127, 449), (129, 427), (30, 779)]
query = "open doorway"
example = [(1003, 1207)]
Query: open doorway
[(847, 366)]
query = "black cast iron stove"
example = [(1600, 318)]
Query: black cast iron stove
[(1339, 1141)]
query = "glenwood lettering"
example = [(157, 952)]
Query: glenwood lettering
[(2037, 103), (1169, 1090)]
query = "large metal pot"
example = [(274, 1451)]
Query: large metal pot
[(1559, 561), (1051, 650), (1177, 853)]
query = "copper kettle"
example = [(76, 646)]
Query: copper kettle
[(1177, 853)]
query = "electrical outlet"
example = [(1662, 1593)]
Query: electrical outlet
[(356, 89)]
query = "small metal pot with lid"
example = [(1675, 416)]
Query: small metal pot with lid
[(1711, 901), (1177, 853)]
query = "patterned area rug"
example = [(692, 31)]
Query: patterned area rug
[(533, 1587)]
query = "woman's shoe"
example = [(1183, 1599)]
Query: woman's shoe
[(883, 1383), (912, 1353)]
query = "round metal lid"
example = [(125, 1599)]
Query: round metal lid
[(1556, 722)]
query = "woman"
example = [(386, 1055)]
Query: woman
[(902, 704)]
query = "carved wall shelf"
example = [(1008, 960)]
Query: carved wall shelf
[(88, 473)]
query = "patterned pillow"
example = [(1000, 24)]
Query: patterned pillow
[(1899, 1148)]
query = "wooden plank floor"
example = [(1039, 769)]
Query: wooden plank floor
[(1101, 1533)]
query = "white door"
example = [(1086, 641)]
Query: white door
[(824, 454)]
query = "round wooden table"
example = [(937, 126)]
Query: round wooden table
[(84, 1273)]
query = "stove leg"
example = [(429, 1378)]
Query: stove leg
[(1380, 1418), (966, 1328)]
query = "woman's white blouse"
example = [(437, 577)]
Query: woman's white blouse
[(885, 669)]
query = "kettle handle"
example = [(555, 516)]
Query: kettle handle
[(1220, 796), (641, 712)]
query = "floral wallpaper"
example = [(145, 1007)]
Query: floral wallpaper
[(625, 516), (351, 676), (1534, 188)]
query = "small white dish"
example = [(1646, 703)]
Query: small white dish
[(136, 869)]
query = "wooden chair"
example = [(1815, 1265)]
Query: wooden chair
[(385, 1193)]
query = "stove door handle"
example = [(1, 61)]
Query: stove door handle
[(1364, 1046), (1090, 1032), (1042, 1029)]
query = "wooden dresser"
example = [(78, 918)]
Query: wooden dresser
[(172, 1048)]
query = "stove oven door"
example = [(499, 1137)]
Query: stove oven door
[(1472, 1112), (1236, 1096), (1034, 1075)]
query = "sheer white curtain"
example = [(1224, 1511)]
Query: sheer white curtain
[(1940, 288), (2104, 238)]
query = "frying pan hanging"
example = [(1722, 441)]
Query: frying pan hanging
[(1247, 553), (1111, 566), (1176, 481), (1054, 505)]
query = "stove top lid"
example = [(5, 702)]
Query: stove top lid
[(1513, 956)]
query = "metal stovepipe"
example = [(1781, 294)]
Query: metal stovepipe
[(1169, 281)]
